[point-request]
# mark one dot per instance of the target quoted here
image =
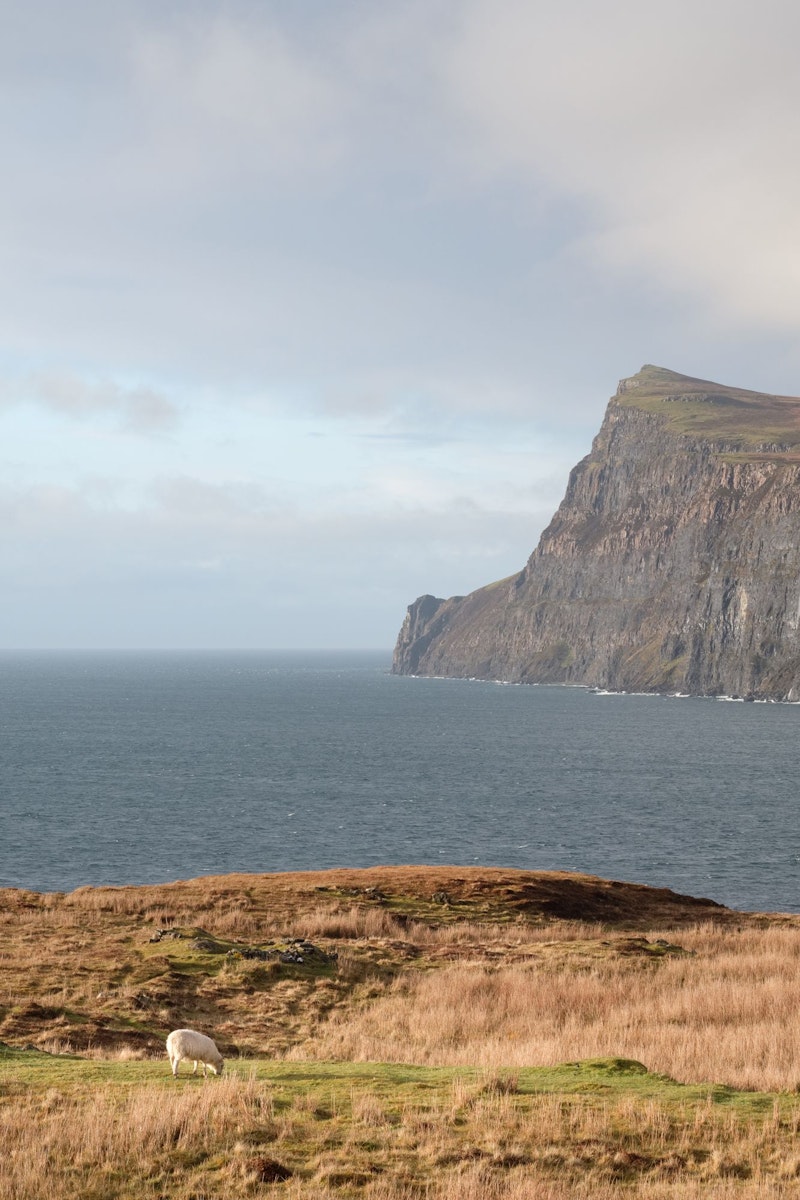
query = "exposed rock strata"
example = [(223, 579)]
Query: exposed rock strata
[(671, 565)]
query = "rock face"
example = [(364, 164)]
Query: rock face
[(671, 565)]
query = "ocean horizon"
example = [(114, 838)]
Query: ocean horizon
[(134, 767)]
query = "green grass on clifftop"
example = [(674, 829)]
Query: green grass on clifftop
[(745, 420)]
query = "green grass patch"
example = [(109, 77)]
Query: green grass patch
[(746, 420), (127, 1129), (395, 1083)]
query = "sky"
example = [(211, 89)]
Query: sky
[(308, 309)]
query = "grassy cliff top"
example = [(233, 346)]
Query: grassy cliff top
[(747, 421)]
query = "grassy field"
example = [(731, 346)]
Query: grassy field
[(448, 1034), (72, 1127)]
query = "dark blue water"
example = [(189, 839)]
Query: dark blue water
[(136, 768)]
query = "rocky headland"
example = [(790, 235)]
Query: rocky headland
[(671, 565)]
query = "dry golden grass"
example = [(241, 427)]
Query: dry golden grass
[(725, 1013), (221, 1139), (509, 987), (73, 1145), (446, 967), (357, 922)]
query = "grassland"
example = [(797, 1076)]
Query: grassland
[(751, 424), (448, 1034)]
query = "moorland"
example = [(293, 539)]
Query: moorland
[(398, 1032)]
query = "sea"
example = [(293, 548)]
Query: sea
[(132, 768)]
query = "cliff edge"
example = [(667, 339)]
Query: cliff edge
[(671, 565)]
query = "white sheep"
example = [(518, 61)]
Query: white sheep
[(191, 1045)]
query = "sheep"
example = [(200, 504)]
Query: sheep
[(191, 1045)]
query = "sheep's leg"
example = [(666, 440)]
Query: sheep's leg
[(204, 1070), (194, 1072), (173, 1062)]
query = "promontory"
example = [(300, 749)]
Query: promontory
[(671, 565)]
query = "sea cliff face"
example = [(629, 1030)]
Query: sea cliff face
[(671, 565)]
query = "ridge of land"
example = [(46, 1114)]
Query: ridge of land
[(114, 967)]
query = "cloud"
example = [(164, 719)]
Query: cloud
[(226, 97), (361, 278), (219, 507), (671, 126), (234, 570), (138, 409), (362, 203), (263, 201)]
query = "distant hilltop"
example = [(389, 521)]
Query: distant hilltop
[(671, 565)]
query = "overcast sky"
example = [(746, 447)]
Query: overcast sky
[(308, 309)]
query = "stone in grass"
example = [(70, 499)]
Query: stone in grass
[(208, 946), (262, 1169)]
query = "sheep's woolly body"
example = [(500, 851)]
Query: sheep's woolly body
[(194, 1046)]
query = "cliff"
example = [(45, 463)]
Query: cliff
[(671, 565)]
